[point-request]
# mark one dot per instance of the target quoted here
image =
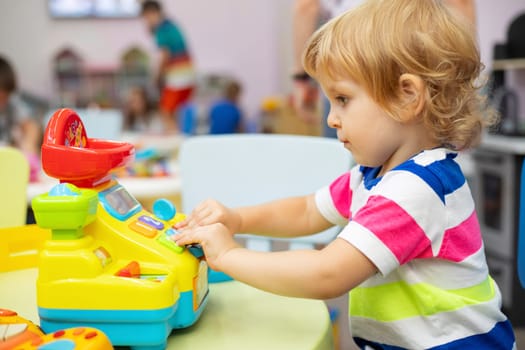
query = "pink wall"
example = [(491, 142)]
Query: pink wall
[(233, 36), (248, 38)]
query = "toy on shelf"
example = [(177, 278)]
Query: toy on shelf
[(149, 162), (20, 334), (109, 264)]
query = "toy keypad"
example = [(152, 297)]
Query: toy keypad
[(143, 228), (166, 240), (148, 220)]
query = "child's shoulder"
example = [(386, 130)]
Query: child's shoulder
[(434, 168)]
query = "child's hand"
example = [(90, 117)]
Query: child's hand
[(215, 239), (211, 212)]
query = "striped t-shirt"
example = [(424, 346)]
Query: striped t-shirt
[(417, 224)]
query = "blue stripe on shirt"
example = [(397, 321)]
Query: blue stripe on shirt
[(443, 176), (501, 337)]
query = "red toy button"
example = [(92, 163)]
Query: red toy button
[(5, 312), (79, 331), (59, 333), (90, 335)]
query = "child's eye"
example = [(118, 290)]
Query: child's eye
[(342, 100)]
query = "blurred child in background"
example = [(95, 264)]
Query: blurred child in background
[(225, 114), (17, 128), (175, 76), (139, 114)]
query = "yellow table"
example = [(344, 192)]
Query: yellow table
[(237, 316)]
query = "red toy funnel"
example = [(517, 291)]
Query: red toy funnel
[(70, 156)]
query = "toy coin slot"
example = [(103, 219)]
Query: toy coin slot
[(134, 269)]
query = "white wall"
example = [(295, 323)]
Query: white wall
[(248, 38)]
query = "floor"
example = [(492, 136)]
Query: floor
[(343, 340)]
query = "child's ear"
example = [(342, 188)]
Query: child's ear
[(412, 95)]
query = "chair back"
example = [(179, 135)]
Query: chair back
[(14, 176), (521, 228), (240, 170)]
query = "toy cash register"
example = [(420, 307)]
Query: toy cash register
[(109, 264)]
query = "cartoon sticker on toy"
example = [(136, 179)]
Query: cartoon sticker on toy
[(75, 136)]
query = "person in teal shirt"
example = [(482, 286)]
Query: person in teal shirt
[(176, 75)]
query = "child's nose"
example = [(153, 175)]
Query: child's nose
[(333, 121)]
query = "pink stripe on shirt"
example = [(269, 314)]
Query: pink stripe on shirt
[(342, 195), (461, 241), (401, 233)]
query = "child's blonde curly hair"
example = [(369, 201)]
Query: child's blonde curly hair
[(377, 42)]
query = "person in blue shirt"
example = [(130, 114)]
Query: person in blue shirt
[(225, 115), (176, 74)]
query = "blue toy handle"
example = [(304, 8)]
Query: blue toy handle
[(521, 228)]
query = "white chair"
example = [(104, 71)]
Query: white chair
[(14, 176), (240, 170)]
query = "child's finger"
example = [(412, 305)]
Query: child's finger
[(181, 225), (183, 239)]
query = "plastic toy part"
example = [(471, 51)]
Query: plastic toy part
[(130, 270), (15, 330), (80, 338), (196, 250), (65, 210), (69, 155), (164, 209)]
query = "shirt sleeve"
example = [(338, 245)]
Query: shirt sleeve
[(333, 201), (399, 222), (171, 39)]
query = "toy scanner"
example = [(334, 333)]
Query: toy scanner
[(110, 264)]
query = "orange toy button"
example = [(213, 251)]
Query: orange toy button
[(5, 312), (79, 331), (91, 335), (143, 229), (59, 333)]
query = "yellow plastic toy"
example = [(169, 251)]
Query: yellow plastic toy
[(110, 264)]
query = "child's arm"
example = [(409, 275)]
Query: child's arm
[(290, 217), (318, 274)]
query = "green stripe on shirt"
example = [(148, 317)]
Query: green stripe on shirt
[(400, 300)]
